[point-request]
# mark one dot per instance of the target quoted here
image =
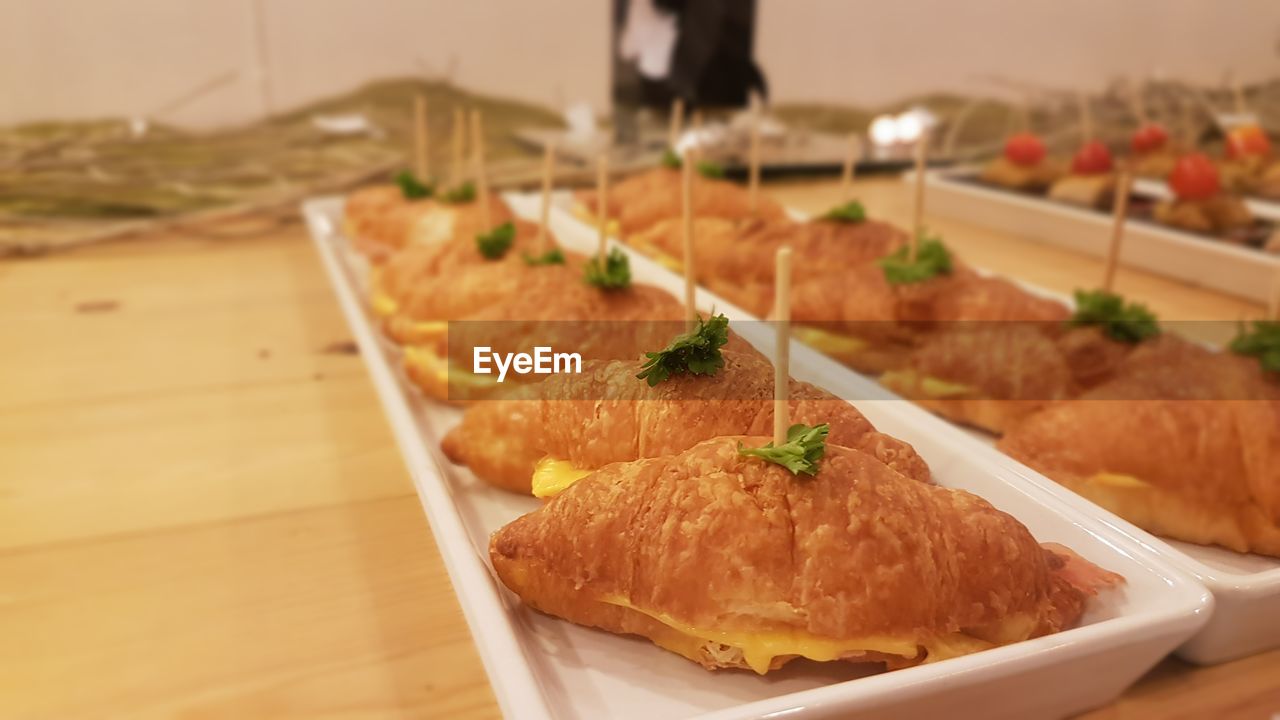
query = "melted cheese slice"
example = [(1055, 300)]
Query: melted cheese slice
[(829, 342), (445, 371), (552, 476), (760, 648), (658, 255), (1117, 480), (930, 386), (424, 332), (583, 213)]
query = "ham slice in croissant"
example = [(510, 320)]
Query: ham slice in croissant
[(568, 425), (733, 562), (1183, 442)]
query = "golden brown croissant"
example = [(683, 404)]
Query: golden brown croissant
[(1183, 442), (467, 289), (396, 279), (567, 317), (568, 424), (657, 195), (733, 562), (986, 375)]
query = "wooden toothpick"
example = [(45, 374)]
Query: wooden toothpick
[(851, 156), (456, 150), (1140, 102), (482, 180), (544, 221), (1121, 208), (676, 121), (753, 162), (686, 187), (782, 330), (421, 139), (917, 226), (602, 205), (1237, 93), (1273, 307), (1086, 117)]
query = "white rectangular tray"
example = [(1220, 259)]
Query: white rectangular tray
[(1241, 271), (1246, 587), (542, 667)]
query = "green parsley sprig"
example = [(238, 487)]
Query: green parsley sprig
[(1125, 322), (696, 352), (554, 256), (464, 193), (932, 259), (800, 454), (411, 187), (1262, 342), (615, 275), (672, 160), (850, 212), (495, 243)]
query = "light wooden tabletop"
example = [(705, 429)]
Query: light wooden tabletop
[(203, 513)]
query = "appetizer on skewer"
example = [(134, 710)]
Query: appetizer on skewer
[(1024, 165), (725, 556), (1250, 166), (1200, 204), (1152, 153), (1091, 182)]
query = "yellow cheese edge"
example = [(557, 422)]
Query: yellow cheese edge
[(1117, 480), (383, 305), (445, 370), (931, 386), (552, 476), (759, 648), (658, 255), (829, 342), (581, 212)]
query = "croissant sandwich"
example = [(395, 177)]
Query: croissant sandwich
[(734, 562), (1183, 442), (566, 426)]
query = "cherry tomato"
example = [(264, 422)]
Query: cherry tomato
[(1149, 138), (1093, 158), (1195, 177), (1024, 149), (1247, 140)]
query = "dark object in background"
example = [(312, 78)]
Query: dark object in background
[(710, 66)]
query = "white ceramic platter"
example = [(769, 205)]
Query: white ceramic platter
[(542, 667), (1246, 587)]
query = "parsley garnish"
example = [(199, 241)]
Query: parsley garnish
[(615, 275), (411, 187), (551, 257), (932, 258), (696, 352), (464, 193), (850, 212), (1126, 322), (495, 243), (708, 169), (671, 159), (804, 447), (1263, 342)]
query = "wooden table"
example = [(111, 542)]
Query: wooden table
[(203, 514)]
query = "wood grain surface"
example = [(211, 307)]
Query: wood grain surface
[(203, 513)]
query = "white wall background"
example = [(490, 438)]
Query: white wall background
[(91, 58)]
